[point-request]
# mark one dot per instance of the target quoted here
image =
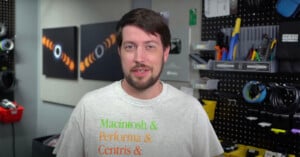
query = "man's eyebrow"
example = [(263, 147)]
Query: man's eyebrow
[(151, 41), (145, 42), (128, 42)]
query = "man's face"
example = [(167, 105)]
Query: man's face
[(142, 56)]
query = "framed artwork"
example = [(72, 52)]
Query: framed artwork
[(99, 55), (60, 52)]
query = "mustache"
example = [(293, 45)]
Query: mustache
[(139, 65)]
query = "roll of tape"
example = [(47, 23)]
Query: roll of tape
[(7, 45), (3, 30)]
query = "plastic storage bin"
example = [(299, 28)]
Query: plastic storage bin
[(11, 115)]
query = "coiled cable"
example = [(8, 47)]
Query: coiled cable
[(7, 81), (6, 45), (3, 30), (284, 98), (254, 92)]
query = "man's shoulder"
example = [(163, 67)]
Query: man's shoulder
[(177, 94), (102, 91), (175, 91)]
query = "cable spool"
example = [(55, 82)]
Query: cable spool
[(254, 92), (7, 81), (3, 30), (6, 45), (278, 94)]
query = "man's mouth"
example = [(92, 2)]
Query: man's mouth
[(140, 71)]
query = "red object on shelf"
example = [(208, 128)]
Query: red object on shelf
[(11, 115)]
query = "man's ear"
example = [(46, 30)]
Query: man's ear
[(166, 53), (119, 51)]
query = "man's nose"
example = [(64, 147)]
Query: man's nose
[(139, 54)]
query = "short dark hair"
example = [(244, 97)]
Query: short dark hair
[(148, 20)]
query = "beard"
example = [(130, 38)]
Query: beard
[(140, 86)]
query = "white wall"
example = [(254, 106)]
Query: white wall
[(180, 28), (40, 117), (60, 13), (56, 94), (74, 13), (26, 89), (57, 13)]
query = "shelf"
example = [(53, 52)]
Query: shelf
[(206, 84), (205, 46), (245, 66)]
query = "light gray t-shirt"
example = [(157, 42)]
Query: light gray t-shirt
[(108, 122)]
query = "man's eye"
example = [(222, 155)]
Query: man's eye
[(129, 47), (150, 47)]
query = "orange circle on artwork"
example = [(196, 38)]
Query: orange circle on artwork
[(82, 67)]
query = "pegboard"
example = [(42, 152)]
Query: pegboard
[(7, 69), (7, 16), (230, 121), (263, 15)]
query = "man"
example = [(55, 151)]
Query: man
[(139, 115)]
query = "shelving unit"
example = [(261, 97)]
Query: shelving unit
[(230, 120)]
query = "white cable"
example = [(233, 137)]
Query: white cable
[(3, 30), (6, 45)]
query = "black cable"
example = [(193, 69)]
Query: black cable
[(277, 95), (13, 140)]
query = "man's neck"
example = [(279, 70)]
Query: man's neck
[(148, 93)]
